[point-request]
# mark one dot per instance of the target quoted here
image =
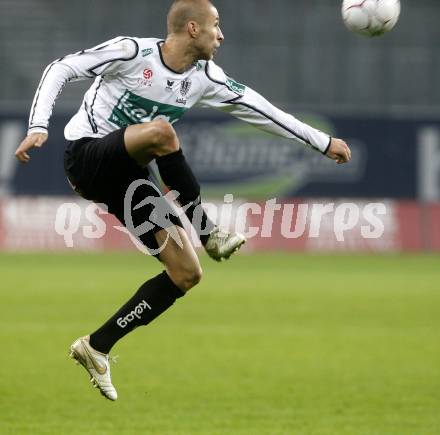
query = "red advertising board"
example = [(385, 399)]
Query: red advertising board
[(56, 224)]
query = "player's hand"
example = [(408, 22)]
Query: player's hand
[(30, 141), (339, 151)]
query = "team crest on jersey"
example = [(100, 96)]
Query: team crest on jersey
[(185, 86)]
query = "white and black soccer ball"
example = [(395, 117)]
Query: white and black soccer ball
[(370, 17)]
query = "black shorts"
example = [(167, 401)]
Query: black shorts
[(100, 169)]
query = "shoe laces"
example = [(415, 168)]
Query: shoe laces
[(113, 359), (223, 235)]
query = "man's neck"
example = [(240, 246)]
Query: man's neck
[(177, 55)]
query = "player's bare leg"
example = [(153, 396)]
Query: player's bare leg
[(158, 140), (149, 140), (183, 271), (179, 258)]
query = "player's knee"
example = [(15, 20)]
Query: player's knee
[(189, 278), (192, 277), (162, 137)]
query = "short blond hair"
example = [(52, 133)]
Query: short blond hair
[(183, 11)]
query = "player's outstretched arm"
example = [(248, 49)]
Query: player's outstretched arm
[(338, 151), (30, 141), (224, 93)]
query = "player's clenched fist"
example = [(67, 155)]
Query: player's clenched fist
[(30, 141), (339, 151)]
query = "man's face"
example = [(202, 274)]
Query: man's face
[(210, 36)]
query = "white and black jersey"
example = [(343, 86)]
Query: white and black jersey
[(132, 85)]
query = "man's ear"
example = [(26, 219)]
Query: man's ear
[(193, 29)]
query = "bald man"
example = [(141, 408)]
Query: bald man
[(141, 87)]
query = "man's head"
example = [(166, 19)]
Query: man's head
[(198, 21)]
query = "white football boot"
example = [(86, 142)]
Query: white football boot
[(222, 244), (96, 363)]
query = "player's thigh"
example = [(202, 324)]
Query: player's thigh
[(179, 257), (144, 142)]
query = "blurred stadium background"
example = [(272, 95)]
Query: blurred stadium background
[(381, 95), (292, 343)]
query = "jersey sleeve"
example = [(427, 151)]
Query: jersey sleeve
[(104, 59), (227, 95)]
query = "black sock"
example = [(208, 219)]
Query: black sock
[(152, 299), (199, 220), (178, 176)]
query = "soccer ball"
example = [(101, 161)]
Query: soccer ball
[(370, 17)]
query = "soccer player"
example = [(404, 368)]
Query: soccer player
[(141, 87)]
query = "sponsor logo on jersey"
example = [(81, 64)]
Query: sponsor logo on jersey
[(170, 84), (133, 109), (146, 52), (236, 87)]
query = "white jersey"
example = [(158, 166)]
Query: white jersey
[(132, 85)]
